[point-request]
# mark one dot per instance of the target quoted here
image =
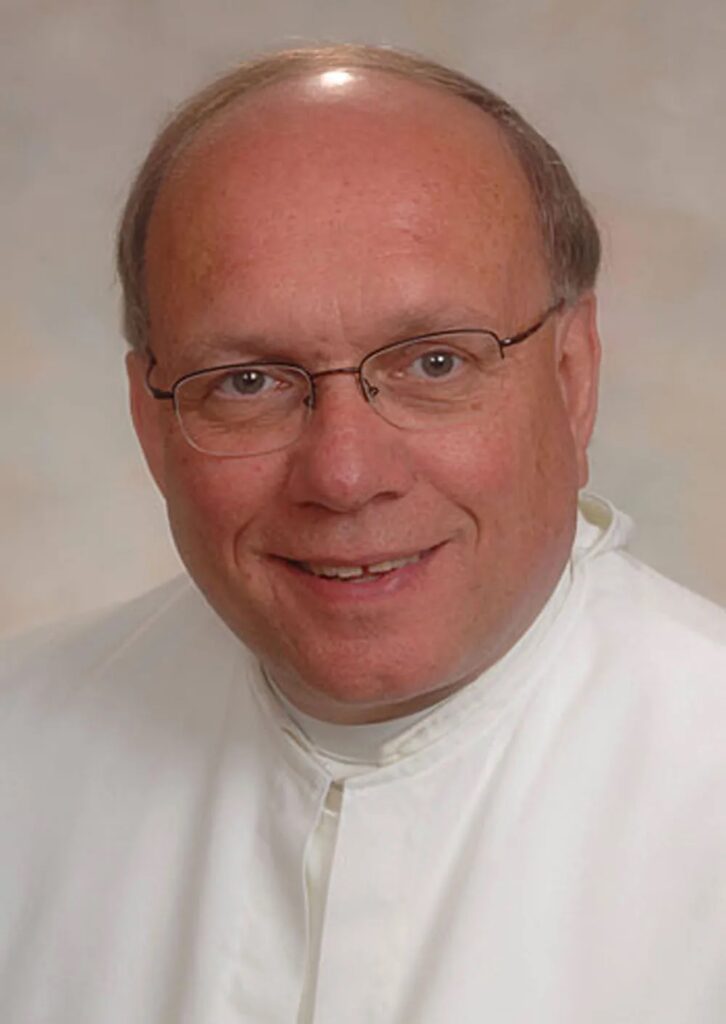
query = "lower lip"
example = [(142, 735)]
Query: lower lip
[(373, 588)]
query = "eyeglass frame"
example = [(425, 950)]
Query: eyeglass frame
[(368, 391)]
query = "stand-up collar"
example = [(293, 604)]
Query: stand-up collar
[(347, 751)]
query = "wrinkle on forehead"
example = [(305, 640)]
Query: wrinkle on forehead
[(392, 165)]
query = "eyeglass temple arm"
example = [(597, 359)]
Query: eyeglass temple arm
[(515, 339), (159, 393), (523, 335)]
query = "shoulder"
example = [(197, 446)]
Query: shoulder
[(643, 670), (86, 639), (638, 618), (649, 613), (649, 673), (146, 638)]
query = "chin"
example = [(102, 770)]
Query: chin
[(373, 694)]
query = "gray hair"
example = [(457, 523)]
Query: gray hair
[(570, 236)]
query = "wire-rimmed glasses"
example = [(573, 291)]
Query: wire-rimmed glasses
[(421, 383)]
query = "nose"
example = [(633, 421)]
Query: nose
[(347, 456)]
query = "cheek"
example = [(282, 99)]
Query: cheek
[(516, 463), (211, 501), (481, 462)]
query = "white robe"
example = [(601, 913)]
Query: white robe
[(546, 847)]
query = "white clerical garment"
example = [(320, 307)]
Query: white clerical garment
[(546, 846)]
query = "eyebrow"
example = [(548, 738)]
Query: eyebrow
[(415, 322), (223, 347)]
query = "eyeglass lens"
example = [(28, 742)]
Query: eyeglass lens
[(417, 385)]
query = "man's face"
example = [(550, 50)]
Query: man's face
[(312, 225)]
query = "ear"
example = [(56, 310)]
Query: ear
[(578, 372), (147, 417)]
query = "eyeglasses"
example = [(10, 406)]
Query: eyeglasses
[(422, 383)]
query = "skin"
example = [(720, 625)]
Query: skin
[(322, 222)]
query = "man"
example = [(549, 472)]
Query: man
[(423, 746)]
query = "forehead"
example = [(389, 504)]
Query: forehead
[(318, 191)]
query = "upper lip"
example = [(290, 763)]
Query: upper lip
[(351, 559)]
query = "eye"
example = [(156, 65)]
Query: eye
[(436, 363), (248, 382), (250, 387)]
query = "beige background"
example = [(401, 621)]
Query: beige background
[(632, 92)]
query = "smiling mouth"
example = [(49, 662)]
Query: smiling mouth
[(359, 573)]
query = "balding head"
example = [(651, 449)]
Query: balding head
[(568, 234), (359, 165)]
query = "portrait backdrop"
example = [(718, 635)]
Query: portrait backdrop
[(631, 92)]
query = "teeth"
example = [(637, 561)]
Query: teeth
[(343, 572), (355, 572), (387, 566)]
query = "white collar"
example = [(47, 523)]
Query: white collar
[(344, 751), (347, 750)]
